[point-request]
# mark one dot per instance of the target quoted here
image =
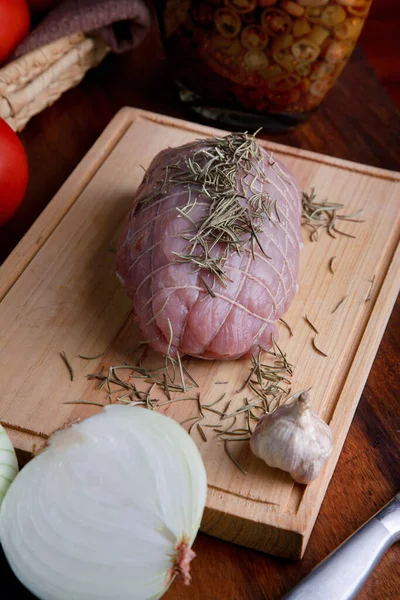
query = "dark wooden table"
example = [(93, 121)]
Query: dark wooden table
[(356, 122)]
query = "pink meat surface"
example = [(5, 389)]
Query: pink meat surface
[(172, 301)]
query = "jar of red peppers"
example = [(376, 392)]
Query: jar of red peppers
[(259, 62)]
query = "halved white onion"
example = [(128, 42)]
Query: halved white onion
[(109, 509), (8, 463)]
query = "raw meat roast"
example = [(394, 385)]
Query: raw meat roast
[(210, 251)]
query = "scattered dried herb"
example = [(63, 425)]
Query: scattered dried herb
[(216, 170), (331, 265), (324, 214), (307, 320), (195, 423), (338, 304), (166, 388), (158, 313), (201, 432), (91, 357), (317, 349), (233, 459), (215, 402), (84, 402), (268, 382), (69, 366), (188, 375), (369, 295), (286, 325), (209, 290)]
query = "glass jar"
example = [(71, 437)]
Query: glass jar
[(253, 63)]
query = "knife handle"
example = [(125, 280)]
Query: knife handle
[(343, 573)]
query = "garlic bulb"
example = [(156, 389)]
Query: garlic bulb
[(109, 509), (8, 463), (294, 439)]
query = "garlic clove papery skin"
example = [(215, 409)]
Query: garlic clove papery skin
[(293, 438), (109, 509)]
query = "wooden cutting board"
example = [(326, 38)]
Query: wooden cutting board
[(59, 293)]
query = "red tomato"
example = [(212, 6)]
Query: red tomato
[(41, 5), (14, 25), (13, 172)]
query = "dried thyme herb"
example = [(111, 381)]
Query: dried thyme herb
[(69, 366)]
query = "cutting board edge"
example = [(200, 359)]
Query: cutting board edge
[(272, 146), (284, 540), (366, 351), (49, 219), (94, 160)]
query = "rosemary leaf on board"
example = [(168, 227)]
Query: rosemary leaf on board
[(318, 349), (324, 215), (369, 295), (201, 432), (84, 402), (331, 265), (338, 304), (286, 325), (233, 459), (91, 357), (68, 364), (307, 320)]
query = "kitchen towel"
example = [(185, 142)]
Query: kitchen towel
[(122, 24)]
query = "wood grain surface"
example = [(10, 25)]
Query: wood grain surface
[(60, 292), (357, 122)]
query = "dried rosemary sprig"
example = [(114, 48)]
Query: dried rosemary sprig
[(318, 350), (91, 357), (338, 304), (331, 265), (369, 295), (68, 364), (84, 402), (233, 459), (269, 381), (232, 221), (307, 320), (324, 214), (287, 326)]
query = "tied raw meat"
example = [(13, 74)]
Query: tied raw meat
[(209, 254)]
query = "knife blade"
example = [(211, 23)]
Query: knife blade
[(342, 574)]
